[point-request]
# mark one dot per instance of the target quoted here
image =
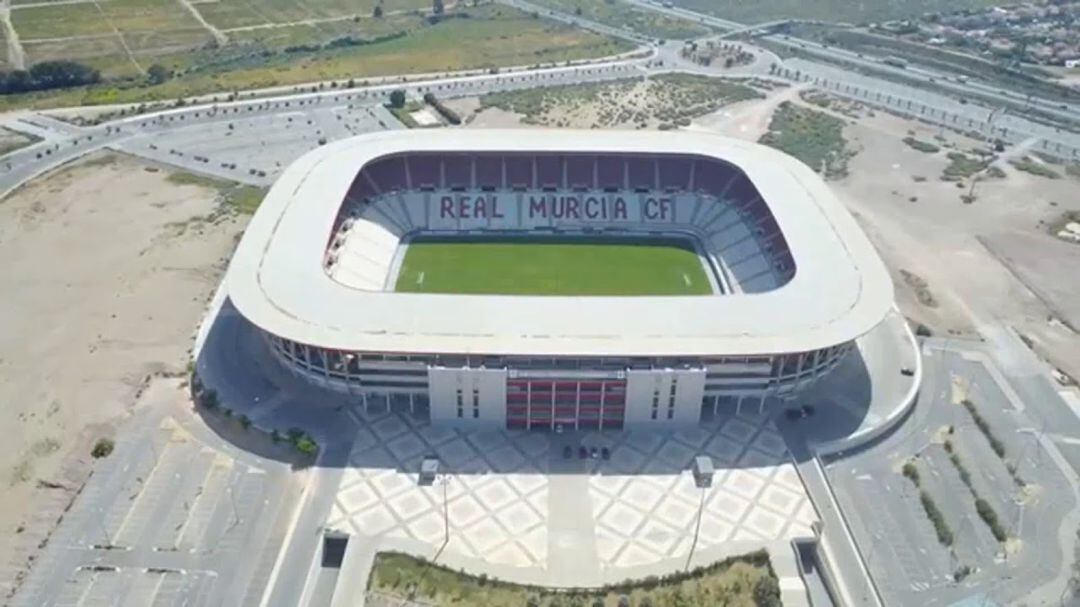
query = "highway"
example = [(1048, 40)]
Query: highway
[(941, 80)]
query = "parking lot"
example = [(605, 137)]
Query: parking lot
[(899, 543), (165, 520)]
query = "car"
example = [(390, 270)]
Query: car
[(605, 453), (907, 371), (582, 452), (594, 453), (567, 452)]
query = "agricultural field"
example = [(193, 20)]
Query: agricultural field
[(280, 53), (814, 137), (665, 101), (553, 266), (839, 11), (742, 581), (620, 14), (231, 14)]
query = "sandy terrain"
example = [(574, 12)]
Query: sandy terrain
[(925, 228), (105, 276), (747, 120)]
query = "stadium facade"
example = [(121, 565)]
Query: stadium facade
[(794, 279)]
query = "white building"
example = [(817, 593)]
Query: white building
[(795, 279)]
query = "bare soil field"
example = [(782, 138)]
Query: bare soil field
[(107, 270), (922, 226), (665, 102)]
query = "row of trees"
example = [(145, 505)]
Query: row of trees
[(48, 75)]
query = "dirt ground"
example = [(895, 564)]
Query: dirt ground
[(924, 228), (106, 272)]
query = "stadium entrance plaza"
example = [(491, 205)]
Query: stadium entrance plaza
[(516, 504), (512, 505)]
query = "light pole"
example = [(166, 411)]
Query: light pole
[(697, 529)]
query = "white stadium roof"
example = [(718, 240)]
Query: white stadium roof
[(277, 280)]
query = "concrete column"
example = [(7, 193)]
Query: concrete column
[(799, 367), (528, 405), (554, 393), (603, 396), (577, 405)]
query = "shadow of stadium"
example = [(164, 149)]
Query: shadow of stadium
[(261, 396)]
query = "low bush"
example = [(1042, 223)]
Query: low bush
[(984, 427), (1028, 165), (922, 146), (102, 448), (306, 445), (989, 516), (944, 534), (911, 472)]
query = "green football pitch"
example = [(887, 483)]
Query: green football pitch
[(552, 266)]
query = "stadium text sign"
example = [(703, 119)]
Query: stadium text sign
[(584, 207)]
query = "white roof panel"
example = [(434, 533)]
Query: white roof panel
[(276, 279)]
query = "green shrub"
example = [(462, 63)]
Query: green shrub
[(911, 472), (989, 516), (102, 448), (1030, 166), (922, 146), (307, 445), (984, 427), (944, 534)]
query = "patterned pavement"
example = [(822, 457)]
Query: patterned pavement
[(644, 502)]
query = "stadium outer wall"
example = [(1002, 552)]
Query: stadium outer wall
[(549, 393)]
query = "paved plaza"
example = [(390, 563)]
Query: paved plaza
[(511, 499)]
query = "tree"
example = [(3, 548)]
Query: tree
[(377, 12), (397, 98), (157, 74), (102, 448), (437, 7), (48, 75)]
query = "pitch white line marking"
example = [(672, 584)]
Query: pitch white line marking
[(420, 279), (686, 279)]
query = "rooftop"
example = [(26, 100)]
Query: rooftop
[(840, 291)]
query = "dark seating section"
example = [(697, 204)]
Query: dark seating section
[(675, 174), (425, 170), (610, 173), (642, 172), (388, 174), (549, 172), (579, 172), (457, 171), (519, 171), (489, 173)]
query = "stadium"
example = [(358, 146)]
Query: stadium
[(553, 279)]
